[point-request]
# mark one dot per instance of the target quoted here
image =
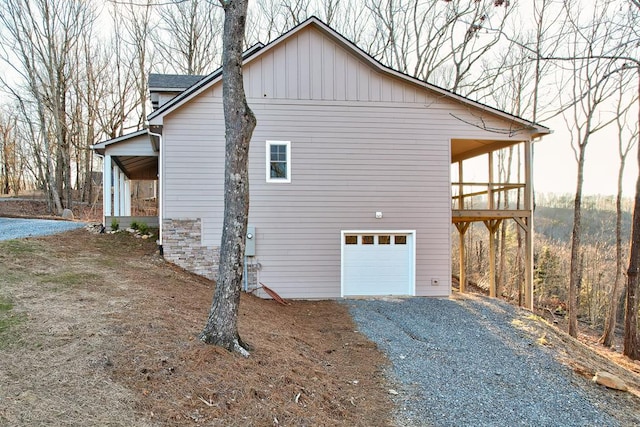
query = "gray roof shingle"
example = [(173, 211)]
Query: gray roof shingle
[(172, 81)]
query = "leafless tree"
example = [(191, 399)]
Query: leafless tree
[(222, 324), (627, 136), (520, 77), (631, 339), (272, 18), (590, 87), (441, 42), (138, 25), (11, 159), (41, 46), (117, 82), (188, 36), (296, 11)]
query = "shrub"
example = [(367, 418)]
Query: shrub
[(143, 228), (115, 225)]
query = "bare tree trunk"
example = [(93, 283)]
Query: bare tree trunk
[(222, 325), (616, 293), (575, 270), (610, 321), (631, 309), (592, 86), (631, 306)]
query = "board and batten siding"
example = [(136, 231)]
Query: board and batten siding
[(361, 142)]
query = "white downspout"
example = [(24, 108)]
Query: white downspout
[(160, 187)]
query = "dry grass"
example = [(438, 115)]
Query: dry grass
[(109, 337), (99, 330)]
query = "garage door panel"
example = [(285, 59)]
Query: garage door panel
[(378, 269)]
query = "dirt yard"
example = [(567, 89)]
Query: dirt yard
[(99, 330), (34, 206)]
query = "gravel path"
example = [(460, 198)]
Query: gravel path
[(474, 362), (17, 228)]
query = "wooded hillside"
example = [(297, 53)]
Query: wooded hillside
[(553, 219)]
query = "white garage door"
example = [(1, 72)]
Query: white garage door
[(378, 263)]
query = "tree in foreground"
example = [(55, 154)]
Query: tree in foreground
[(631, 347), (222, 324), (625, 145)]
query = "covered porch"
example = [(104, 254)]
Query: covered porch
[(130, 168), (499, 196)]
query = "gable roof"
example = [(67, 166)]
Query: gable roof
[(136, 154), (171, 82), (316, 23), (102, 146), (179, 82)]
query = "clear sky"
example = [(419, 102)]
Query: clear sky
[(555, 167)]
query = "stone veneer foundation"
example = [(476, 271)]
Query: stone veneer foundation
[(182, 245)]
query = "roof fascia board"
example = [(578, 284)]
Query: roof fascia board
[(121, 138), (102, 146), (166, 89)]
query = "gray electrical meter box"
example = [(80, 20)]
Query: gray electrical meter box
[(250, 248)]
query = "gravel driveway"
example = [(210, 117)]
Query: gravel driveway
[(17, 228), (472, 362)]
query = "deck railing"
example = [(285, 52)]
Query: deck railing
[(485, 195)]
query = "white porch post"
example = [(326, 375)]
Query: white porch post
[(116, 190), (127, 197), (106, 187), (123, 204), (160, 188)]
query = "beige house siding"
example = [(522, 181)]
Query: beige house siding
[(361, 142)]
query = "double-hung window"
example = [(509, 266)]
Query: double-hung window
[(278, 161)]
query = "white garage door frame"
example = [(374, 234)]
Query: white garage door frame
[(412, 255)]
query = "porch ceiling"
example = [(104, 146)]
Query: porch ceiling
[(463, 149), (138, 167), (136, 154)]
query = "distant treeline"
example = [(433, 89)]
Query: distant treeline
[(553, 218)]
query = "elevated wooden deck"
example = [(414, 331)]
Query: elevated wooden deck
[(477, 215), (482, 202)]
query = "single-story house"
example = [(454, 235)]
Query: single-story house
[(350, 169)]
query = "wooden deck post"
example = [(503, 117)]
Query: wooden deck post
[(492, 226), (491, 203), (462, 230), (462, 272), (460, 186), (528, 200)]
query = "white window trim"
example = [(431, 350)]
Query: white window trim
[(268, 162)]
